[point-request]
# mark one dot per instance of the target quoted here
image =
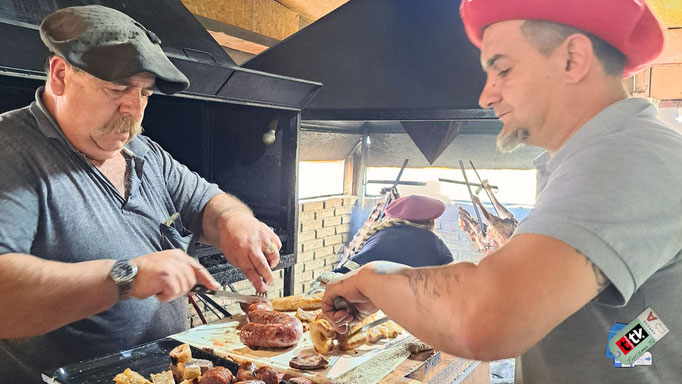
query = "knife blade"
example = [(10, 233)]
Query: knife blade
[(370, 325), (238, 297)]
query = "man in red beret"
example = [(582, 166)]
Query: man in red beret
[(602, 244), (405, 237)]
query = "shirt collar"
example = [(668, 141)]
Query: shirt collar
[(609, 120), (49, 127)]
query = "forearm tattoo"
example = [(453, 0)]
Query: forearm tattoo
[(602, 280), (430, 283)]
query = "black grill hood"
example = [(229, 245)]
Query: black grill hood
[(384, 60), (212, 73), (408, 62)]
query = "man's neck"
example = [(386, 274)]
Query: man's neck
[(581, 110)]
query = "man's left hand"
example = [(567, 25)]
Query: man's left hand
[(251, 246)]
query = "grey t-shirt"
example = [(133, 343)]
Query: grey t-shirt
[(55, 205), (613, 192)]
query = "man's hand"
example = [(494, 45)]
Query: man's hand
[(251, 246), (246, 243), (348, 288), (168, 275)]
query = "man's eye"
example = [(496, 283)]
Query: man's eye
[(504, 72)]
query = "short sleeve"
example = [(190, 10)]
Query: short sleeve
[(189, 191), (609, 204), (19, 198)]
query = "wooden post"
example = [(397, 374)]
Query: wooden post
[(362, 172), (349, 175)]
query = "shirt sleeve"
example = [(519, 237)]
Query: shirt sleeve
[(189, 191), (609, 209), (19, 198)]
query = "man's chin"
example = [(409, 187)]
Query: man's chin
[(510, 142), (113, 142)]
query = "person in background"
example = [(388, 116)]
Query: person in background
[(95, 218), (603, 243), (405, 237)]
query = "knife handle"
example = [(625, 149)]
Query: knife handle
[(201, 289), (341, 304)]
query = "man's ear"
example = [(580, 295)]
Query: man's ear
[(57, 77), (578, 56)]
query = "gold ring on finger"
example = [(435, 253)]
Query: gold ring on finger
[(271, 248)]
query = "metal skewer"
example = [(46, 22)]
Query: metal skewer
[(484, 188), (471, 195)]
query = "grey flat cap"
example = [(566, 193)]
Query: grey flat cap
[(109, 45)]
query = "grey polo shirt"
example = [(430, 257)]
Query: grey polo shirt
[(55, 205), (613, 192)]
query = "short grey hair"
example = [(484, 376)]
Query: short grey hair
[(547, 35), (48, 60)]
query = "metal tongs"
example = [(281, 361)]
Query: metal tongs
[(342, 304)]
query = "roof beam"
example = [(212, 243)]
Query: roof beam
[(311, 10)]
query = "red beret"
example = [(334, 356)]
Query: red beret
[(628, 25), (415, 208)]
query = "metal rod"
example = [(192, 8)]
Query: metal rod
[(417, 183), (466, 180), (400, 174), (463, 183), (355, 147), (208, 306), (215, 305), (196, 308), (389, 198), (484, 188)]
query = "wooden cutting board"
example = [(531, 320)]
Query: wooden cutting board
[(223, 338)]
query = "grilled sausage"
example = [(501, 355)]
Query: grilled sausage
[(267, 375), (246, 371), (266, 306), (250, 382), (271, 329), (217, 375)]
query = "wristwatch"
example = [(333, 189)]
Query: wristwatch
[(123, 273)]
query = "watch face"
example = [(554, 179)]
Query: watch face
[(122, 271)]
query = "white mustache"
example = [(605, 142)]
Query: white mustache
[(125, 124)]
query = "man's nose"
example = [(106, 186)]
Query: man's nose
[(133, 103), (489, 95)]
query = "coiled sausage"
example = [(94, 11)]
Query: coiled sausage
[(271, 329)]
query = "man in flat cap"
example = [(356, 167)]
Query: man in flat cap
[(96, 218), (604, 241)]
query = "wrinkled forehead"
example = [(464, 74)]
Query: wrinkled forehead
[(503, 39)]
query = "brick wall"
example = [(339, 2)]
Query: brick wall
[(458, 242), (324, 225)]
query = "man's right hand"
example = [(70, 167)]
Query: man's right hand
[(168, 275)]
